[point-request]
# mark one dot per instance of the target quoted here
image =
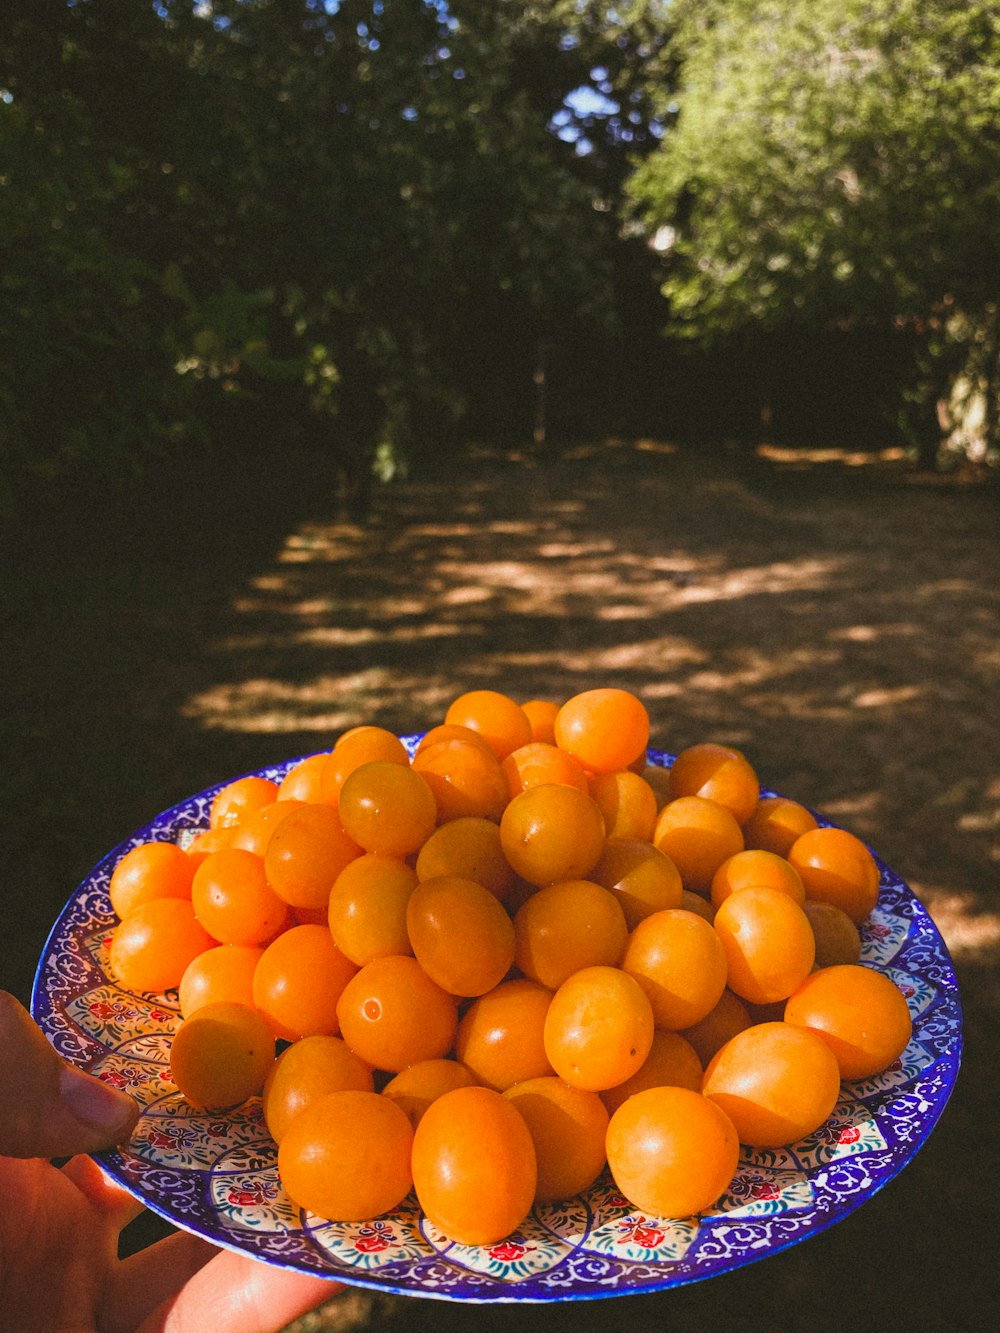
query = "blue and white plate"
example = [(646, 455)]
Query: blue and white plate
[(216, 1174)]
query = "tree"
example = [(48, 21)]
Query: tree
[(80, 355), (339, 220), (840, 165)]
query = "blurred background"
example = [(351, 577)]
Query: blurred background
[(356, 354)]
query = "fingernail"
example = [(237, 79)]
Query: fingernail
[(96, 1104)]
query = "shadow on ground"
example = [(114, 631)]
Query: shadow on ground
[(838, 623)]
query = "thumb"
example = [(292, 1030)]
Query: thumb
[(48, 1108)]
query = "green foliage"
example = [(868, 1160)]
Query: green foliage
[(259, 201), (836, 163), (78, 358)]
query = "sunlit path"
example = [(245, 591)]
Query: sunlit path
[(842, 654)]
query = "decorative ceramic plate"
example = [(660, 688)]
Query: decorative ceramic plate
[(216, 1174)]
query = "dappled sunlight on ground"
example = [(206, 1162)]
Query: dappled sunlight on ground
[(556, 594), (835, 636), (969, 932), (803, 458)]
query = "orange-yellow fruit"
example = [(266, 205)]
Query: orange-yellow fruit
[(474, 1166), (347, 1156), (671, 1151), (836, 867), (221, 1055), (777, 1082), (860, 1014)]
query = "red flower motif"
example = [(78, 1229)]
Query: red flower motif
[(765, 1190), (252, 1194), (639, 1230), (879, 932), (244, 1198), (650, 1237), (177, 1136), (754, 1187), (129, 1077), (509, 1250), (837, 1133), (102, 1009), (371, 1239), (159, 1015), (372, 1244)]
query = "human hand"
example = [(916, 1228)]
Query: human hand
[(59, 1228)]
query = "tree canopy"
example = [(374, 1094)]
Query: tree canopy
[(365, 223), (837, 164), (350, 210)]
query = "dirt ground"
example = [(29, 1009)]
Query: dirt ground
[(838, 620)]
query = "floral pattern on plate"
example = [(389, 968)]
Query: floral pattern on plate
[(914, 1060), (639, 1238), (851, 1129), (143, 1080), (253, 1200), (918, 993), (570, 1219), (216, 1174), (115, 1016), (526, 1252), (762, 1191), (882, 937), (199, 1141), (620, 1229), (98, 946), (375, 1244)]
